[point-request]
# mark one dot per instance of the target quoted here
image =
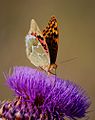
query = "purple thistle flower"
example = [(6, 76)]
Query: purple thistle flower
[(43, 97)]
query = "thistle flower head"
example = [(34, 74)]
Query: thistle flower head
[(43, 97)]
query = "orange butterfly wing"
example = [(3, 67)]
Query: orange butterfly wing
[(51, 35)]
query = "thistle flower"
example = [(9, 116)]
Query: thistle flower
[(43, 97)]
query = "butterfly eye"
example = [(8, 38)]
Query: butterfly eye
[(52, 69), (54, 66)]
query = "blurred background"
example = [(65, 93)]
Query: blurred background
[(76, 19)]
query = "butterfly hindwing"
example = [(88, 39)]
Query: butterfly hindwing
[(36, 47)]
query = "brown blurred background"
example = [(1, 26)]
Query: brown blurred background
[(76, 19)]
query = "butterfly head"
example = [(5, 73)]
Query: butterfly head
[(52, 69)]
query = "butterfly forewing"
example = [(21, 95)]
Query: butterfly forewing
[(34, 29), (51, 34)]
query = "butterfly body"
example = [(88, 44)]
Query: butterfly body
[(42, 47)]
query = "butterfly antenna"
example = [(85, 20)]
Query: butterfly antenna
[(68, 60)]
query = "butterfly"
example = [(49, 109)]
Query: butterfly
[(42, 47)]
